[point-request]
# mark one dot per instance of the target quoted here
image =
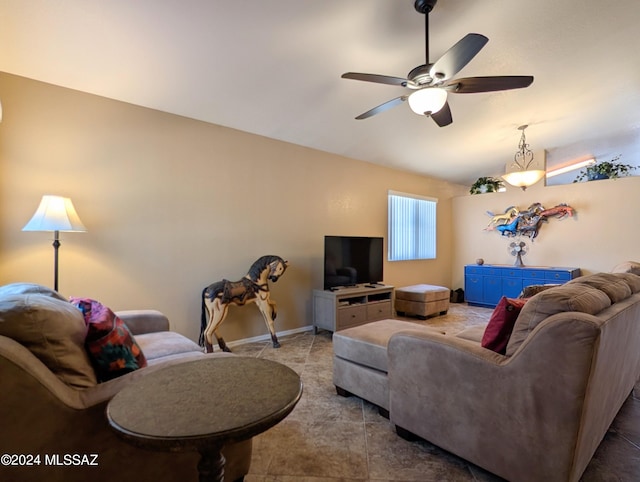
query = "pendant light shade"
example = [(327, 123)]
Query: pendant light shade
[(523, 171), (523, 179)]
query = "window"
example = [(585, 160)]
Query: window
[(412, 227)]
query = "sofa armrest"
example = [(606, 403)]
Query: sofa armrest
[(489, 408), (144, 321)]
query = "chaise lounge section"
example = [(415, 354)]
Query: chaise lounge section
[(537, 412)]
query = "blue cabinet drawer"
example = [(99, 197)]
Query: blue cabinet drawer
[(557, 276), (511, 272), (481, 270), (472, 269), (538, 274)]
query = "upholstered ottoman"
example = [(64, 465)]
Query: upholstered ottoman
[(360, 360), (422, 300)]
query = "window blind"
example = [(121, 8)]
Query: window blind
[(412, 227)]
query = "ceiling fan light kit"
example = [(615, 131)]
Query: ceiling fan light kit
[(427, 101), (432, 82)]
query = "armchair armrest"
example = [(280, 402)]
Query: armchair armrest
[(144, 321), (23, 373)]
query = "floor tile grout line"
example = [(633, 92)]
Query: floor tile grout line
[(366, 440)]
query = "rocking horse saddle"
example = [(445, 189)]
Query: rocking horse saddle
[(238, 291)]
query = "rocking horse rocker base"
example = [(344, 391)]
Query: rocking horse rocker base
[(253, 288)]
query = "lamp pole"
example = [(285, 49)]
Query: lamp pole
[(56, 245)]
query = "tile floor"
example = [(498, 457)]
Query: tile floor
[(328, 438)]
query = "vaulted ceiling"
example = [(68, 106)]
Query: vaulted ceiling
[(273, 68)]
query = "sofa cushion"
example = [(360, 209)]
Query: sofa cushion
[(53, 330), (568, 297), (498, 330), (614, 287), (111, 346), (473, 333), (367, 344), (633, 280), (165, 343)]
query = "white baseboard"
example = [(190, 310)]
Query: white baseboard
[(266, 337)]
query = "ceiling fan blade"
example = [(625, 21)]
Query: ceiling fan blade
[(457, 56), (472, 85), (443, 116), (378, 79), (383, 107)]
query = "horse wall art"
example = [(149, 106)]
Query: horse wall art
[(254, 287), (515, 222)]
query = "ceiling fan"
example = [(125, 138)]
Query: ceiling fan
[(432, 82)]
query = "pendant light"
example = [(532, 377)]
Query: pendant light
[(523, 171)]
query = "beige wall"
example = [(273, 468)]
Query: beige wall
[(604, 232), (172, 204)]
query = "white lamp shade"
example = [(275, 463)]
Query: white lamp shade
[(428, 100), (55, 213), (523, 178)]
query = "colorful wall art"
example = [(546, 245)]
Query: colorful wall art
[(515, 222)]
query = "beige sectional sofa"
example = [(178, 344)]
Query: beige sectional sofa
[(537, 413), (51, 403)]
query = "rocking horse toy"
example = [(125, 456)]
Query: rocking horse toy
[(254, 287)]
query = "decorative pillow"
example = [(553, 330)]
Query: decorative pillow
[(53, 330), (497, 333), (111, 346), (614, 287), (568, 297)]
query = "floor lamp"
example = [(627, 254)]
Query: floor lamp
[(56, 214)]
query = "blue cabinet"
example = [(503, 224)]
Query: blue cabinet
[(484, 285)]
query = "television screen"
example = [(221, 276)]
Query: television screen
[(352, 260)]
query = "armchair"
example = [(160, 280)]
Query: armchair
[(42, 413)]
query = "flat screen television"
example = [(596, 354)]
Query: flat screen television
[(352, 260)]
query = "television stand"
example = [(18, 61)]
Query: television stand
[(347, 307)]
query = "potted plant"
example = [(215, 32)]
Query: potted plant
[(486, 184), (605, 170)]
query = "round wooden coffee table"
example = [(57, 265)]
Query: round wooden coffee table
[(203, 404)]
